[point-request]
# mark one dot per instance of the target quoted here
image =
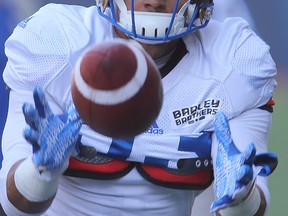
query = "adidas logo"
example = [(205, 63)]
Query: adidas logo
[(24, 22), (154, 129)]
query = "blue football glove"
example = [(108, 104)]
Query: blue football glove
[(234, 171), (53, 137)]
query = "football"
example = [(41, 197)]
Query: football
[(116, 88)]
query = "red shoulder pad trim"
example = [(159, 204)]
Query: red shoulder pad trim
[(157, 175), (108, 170), (109, 167), (271, 102)]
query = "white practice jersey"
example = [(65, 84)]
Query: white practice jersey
[(225, 67)]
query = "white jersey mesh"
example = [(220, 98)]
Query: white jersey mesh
[(252, 60), (45, 46)]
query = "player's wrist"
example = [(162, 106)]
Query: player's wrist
[(32, 184), (248, 207)]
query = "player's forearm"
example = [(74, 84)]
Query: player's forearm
[(238, 211), (20, 201)]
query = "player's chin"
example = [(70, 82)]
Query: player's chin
[(154, 50), (160, 49)]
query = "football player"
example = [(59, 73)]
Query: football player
[(218, 81)]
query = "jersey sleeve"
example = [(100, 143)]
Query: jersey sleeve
[(43, 49), (251, 82), (37, 50)]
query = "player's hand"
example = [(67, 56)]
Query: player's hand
[(234, 170), (53, 137)]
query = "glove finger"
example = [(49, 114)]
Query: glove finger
[(249, 154), (223, 133), (32, 137), (222, 128), (30, 115), (41, 103), (268, 162), (221, 203), (73, 114), (245, 175)]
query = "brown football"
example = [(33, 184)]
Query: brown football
[(116, 88)]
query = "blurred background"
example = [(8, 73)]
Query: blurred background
[(267, 18)]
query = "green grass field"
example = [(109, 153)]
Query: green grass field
[(278, 181)]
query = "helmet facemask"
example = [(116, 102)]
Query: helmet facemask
[(157, 27)]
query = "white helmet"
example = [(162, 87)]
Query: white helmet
[(157, 27)]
